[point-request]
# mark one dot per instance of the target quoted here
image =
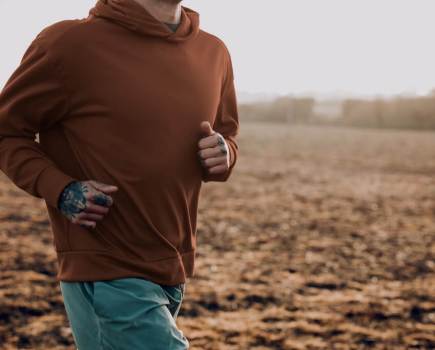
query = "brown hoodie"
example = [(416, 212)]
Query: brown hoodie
[(118, 97)]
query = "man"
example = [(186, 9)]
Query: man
[(135, 107)]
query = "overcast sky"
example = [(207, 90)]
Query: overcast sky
[(283, 46)]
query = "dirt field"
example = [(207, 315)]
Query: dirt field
[(323, 238)]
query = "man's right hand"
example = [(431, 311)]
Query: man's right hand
[(86, 202)]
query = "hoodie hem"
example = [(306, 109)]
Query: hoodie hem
[(96, 265)]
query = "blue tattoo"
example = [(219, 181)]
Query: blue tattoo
[(72, 200), (101, 200)]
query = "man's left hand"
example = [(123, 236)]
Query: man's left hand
[(214, 153)]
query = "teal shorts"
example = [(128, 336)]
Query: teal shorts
[(124, 314)]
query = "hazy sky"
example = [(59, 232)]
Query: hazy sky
[(284, 46)]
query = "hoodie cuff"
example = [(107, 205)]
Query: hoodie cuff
[(50, 184), (232, 153)]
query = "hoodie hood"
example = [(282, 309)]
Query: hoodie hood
[(133, 16)]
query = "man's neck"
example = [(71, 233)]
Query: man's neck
[(164, 11)]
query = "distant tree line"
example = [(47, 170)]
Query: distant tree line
[(282, 109), (398, 112)]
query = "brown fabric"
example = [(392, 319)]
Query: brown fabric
[(118, 97)]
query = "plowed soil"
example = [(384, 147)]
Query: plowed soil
[(323, 238)]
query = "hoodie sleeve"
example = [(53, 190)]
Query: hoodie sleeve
[(32, 99), (227, 121)]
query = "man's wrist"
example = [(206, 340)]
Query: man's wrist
[(62, 195)]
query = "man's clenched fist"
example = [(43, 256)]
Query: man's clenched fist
[(214, 153), (86, 202)]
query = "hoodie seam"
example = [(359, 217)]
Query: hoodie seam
[(114, 254), (40, 46), (60, 65), (63, 81)]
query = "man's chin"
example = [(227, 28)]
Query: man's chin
[(173, 2)]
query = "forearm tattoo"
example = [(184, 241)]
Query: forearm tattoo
[(72, 200)]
